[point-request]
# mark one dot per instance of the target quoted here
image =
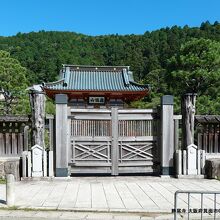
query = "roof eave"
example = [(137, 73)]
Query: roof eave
[(138, 94), (53, 83), (145, 86)]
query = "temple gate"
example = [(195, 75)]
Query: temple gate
[(97, 132)]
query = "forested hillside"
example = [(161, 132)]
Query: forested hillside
[(148, 55)]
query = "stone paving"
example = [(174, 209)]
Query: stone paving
[(67, 215), (64, 215), (136, 194), (73, 215)]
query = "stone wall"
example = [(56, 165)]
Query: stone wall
[(212, 168), (11, 165)]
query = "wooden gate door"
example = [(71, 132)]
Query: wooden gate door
[(137, 141), (113, 141), (90, 141)]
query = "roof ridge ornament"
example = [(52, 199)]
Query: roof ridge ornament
[(96, 67), (125, 77), (66, 76), (130, 76), (53, 83)]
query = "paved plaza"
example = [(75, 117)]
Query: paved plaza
[(67, 215), (136, 194)]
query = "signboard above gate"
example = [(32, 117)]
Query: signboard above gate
[(96, 100)]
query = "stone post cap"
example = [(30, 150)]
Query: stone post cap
[(61, 99), (37, 146), (192, 146), (167, 100)]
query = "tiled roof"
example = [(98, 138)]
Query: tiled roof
[(88, 78), (205, 119)]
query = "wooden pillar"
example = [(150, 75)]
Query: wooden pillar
[(188, 117), (52, 149), (176, 134), (24, 163), (167, 135), (61, 135), (25, 145), (51, 164), (51, 130), (184, 163), (114, 148), (37, 101)]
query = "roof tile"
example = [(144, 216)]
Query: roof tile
[(100, 79)]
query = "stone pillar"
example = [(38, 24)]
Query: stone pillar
[(167, 135), (61, 135), (10, 190), (179, 162)]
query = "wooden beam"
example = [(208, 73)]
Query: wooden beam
[(114, 150)]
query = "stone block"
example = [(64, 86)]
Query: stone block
[(212, 168), (2, 169), (12, 167)]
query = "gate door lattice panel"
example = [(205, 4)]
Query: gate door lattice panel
[(100, 143), (130, 151), (91, 152)]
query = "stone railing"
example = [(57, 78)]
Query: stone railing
[(190, 162), (37, 163)]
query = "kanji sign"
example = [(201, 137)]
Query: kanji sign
[(97, 100)]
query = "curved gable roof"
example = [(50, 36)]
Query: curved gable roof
[(90, 78)]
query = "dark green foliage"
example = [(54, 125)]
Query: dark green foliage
[(13, 85), (149, 55), (196, 69)]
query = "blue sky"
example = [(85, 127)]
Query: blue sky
[(98, 17)]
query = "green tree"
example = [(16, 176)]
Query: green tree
[(43, 52), (196, 69), (158, 87), (13, 85), (156, 79)]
